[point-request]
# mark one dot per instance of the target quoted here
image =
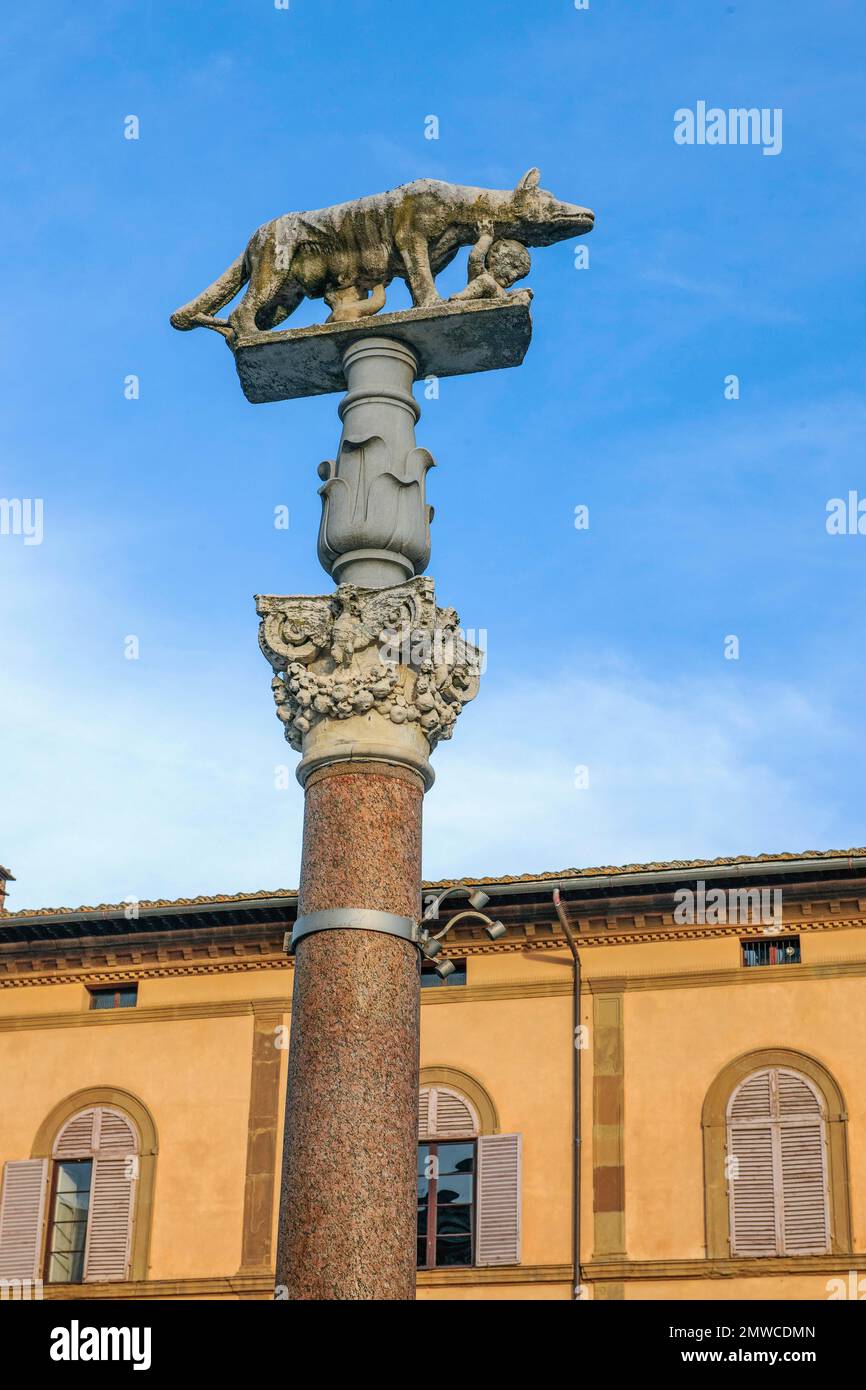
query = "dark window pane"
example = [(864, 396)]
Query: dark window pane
[(114, 997), (454, 1221), (456, 1158), (454, 1189), (422, 1253), (453, 1250), (430, 979)]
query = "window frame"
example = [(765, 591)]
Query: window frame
[(714, 1126), (48, 1253), (756, 943), (431, 1236), (95, 992), (776, 1122), (134, 1109)]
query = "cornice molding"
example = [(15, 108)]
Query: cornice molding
[(159, 1013), (226, 1286), (618, 984), (735, 975), (495, 1274), (41, 963), (261, 1285), (746, 1268), (468, 994), (126, 973)]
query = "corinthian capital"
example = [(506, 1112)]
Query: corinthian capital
[(367, 673)]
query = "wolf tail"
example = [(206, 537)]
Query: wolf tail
[(214, 297)]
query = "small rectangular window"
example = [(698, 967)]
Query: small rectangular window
[(781, 950), (114, 997), (430, 979)]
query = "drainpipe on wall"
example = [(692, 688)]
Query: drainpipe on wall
[(575, 1070)]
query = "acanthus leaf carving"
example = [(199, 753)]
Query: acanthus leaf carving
[(389, 652), (367, 504)]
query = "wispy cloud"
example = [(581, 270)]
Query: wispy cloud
[(124, 782), (676, 769)]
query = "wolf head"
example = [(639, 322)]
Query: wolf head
[(540, 219)]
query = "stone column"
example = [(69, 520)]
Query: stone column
[(348, 1215), (366, 682)]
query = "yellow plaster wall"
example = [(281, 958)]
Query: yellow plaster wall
[(518, 1049), (194, 1078), (676, 1043)]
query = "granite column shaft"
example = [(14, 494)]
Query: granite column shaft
[(348, 1211)]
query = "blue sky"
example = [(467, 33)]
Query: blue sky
[(156, 777)]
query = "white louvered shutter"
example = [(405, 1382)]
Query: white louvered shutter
[(22, 1211), (109, 1221), (75, 1139), (424, 1113), (778, 1190), (498, 1240), (751, 1100), (454, 1118), (443, 1114), (112, 1193), (752, 1188), (803, 1159)]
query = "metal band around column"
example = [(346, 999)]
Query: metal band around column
[(354, 918)]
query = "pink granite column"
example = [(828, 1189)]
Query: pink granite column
[(348, 1210)]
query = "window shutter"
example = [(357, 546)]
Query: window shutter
[(498, 1199), (752, 1099), (109, 1220), (75, 1139), (443, 1114), (115, 1134), (22, 1209), (454, 1117), (796, 1097), (779, 1196), (804, 1189), (424, 1113), (752, 1191)]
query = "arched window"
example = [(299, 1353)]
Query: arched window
[(775, 1154), (468, 1183), (79, 1209), (94, 1172), (777, 1166)]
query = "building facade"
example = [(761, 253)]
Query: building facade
[(697, 1080)]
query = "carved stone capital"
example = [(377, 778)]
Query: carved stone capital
[(367, 673)]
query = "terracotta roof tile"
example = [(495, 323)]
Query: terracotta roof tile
[(548, 877)]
